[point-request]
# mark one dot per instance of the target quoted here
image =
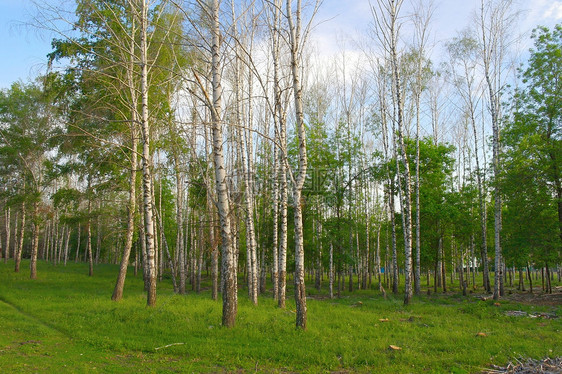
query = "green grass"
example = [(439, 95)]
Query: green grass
[(65, 321)]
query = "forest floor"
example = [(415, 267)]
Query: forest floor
[(553, 299), (65, 322)]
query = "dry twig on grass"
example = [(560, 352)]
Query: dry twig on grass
[(530, 366)]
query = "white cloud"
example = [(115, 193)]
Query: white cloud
[(554, 11), (543, 12)]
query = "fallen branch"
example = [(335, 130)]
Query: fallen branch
[(169, 345)]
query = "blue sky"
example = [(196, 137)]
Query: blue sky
[(352, 17), (24, 49)]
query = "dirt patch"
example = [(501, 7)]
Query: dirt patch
[(525, 297), (553, 299)]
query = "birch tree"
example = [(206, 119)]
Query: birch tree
[(296, 44), (278, 109), (495, 21), (421, 20), (229, 291), (463, 50), (386, 19), (131, 206)]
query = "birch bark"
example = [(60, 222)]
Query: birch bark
[(229, 295), (295, 26)]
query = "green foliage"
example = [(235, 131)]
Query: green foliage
[(25, 129), (439, 209), (532, 171)]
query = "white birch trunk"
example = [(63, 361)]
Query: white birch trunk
[(223, 207), (394, 8), (283, 187), (295, 46), (19, 246), (275, 249), (250, 227), (34, 240), (78, 244), (89, 230), (67, 243), (179, 224), (131, 207), (493, 35), (331, 278), (8, 232), (146, 160)]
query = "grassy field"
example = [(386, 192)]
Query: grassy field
[(65, 322)]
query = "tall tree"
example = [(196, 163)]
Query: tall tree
[(27, 126), (295, 35), (280, 109), (387, 21), (532, 177), (229, 291), (496, 19), (421, 19), (463, 51)]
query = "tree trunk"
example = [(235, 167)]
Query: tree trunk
[(443, 265), (461, 279), (35, 240), (417, 274), (331, 270), (548, 282), (251, 230), (318, 272), (19, 246), (67, 243), (214, 251), (394, 249), (62, 244), (199, 259), (131, 208), (158, 229), (279, 152), (295, 45), (251, 246), (78, 244), (8, 232), (471, 263), (2, 253), (489, 48), (146, 160), (179, 223), (283, 229), (57, 240), (229, 295), (283, 162), (378, 255), (136, 268), (530, 278), (98, 235), (89, 230), (275, 249), (166, 248)]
